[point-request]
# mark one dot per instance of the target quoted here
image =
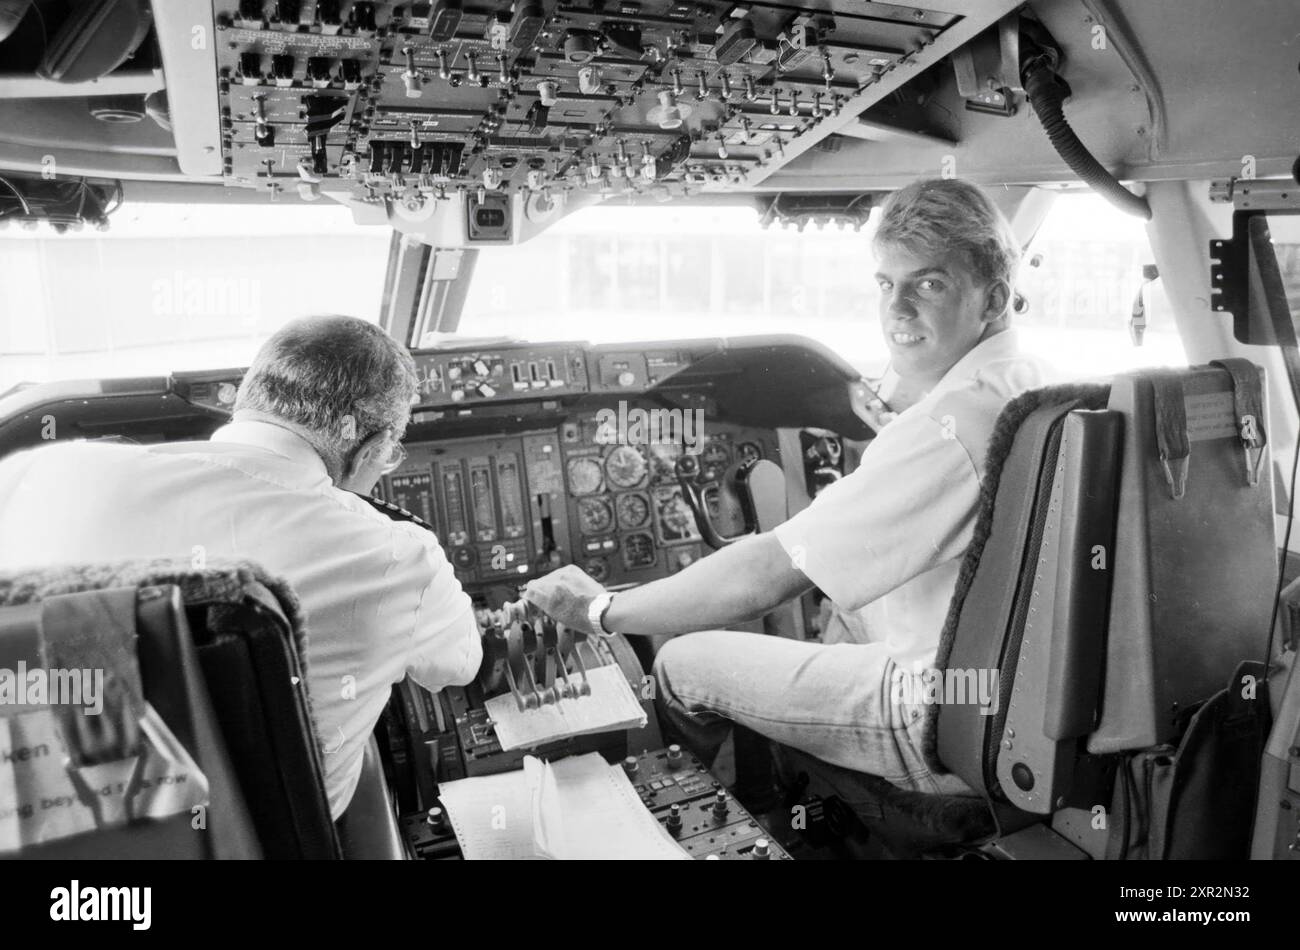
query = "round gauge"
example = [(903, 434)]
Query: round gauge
[(625, 467), (585, 475), (749, 450), (663, 456), (638, 550), (715, 457), (676, 520), (598, 568), (595, 516), (633, 511)]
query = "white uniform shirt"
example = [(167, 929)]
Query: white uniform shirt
[(379, 597), (886, 541)]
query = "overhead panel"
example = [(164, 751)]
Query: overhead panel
[(412, 103)]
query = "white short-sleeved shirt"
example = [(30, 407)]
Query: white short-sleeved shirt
[(885, 542), (380, 598)]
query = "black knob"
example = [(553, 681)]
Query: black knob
[(1023, 776)]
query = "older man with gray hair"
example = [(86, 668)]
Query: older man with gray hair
[(318, 417)]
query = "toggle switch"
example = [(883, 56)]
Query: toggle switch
[(411, 78), (263, 131)]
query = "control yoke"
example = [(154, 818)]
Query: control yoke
[(759, 486)]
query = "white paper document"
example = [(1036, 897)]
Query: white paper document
[(492, 815), (611, 705), (580, 808)]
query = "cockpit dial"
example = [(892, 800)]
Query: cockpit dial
[(633, 511), (585, 475), (625, 467), (595, 515)]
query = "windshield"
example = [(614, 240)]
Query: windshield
[(623, 274), (188, 287), (178, 287)]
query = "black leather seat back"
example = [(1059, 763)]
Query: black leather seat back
[(260, 700), (219, 661), (173, 684)]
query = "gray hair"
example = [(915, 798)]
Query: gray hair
[(317, 372), (953, 215)]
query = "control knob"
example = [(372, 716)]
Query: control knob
[(720, 804), (674, 823)]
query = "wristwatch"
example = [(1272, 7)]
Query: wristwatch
[(596, 613)]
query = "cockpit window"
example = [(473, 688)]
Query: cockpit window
[(621, 274), (178, 287), (1285, 231), (1081, 276)]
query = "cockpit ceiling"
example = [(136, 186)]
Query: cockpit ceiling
[(404, 103)]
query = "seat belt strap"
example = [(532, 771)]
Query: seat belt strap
[(1248, 411), (1171, 431)]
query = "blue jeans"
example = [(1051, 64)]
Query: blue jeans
[(832, 701)]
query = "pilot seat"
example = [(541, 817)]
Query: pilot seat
[(1121, 583), (211, 663)]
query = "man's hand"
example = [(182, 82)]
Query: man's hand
[(564, 595)]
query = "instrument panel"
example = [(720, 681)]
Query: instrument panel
[(587, 492)]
